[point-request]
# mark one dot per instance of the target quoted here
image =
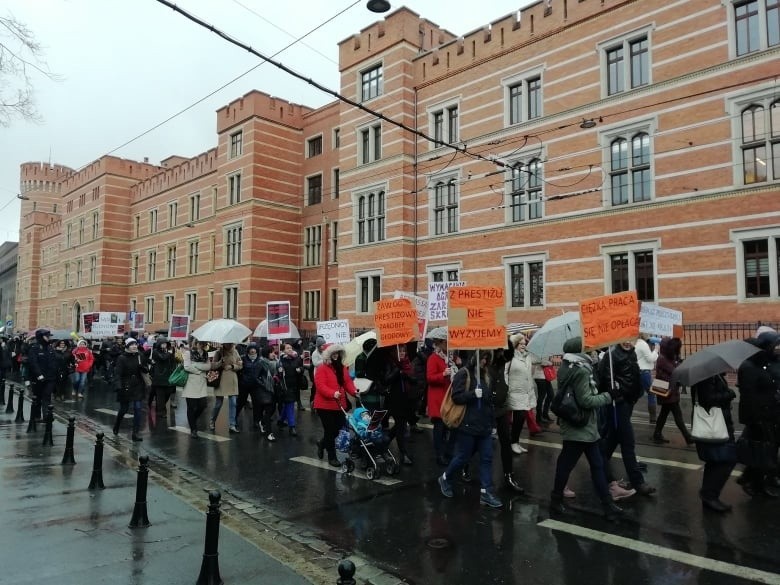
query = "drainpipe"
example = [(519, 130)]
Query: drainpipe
[(416, 192)]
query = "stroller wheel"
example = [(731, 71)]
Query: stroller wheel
[(350, 466), (371, 473)]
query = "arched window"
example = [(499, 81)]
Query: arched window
[(629, 169)]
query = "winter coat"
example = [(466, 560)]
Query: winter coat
[(65, 363), (372, 366), (196, 380), (518, 373), (667, 361), (714, 392), (479, 418), (128, 382), (437, 383), (257, 376), (229, 362), (84, 359), (576, 374), (292, 377), (5, 356), (758, 388), (399, 380), (499, 388), (327, 384), (164, 364), (420, 372), (626, 374), (41, 361)]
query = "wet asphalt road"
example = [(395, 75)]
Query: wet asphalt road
[(411, 531)]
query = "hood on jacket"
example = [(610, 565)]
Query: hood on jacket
[(768, 340), (357, 414), (82, 343), (670, 347), (329, 350), (40, 333), (573, 345)]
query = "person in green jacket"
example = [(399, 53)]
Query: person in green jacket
[(576, 374)]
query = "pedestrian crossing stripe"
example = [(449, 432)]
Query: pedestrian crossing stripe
[(325, 465)]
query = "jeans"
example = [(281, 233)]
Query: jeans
[(443, 438), (621, 434), (124, 408), (288, 413), (195, 407), (231, 409), (79, 382), (570, 454), (646, 377), (466, 445)]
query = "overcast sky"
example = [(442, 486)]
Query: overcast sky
[(127, 65)]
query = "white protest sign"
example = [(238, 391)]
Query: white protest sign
[(437, 299), (336, 331), (657, 320), (421, 304)]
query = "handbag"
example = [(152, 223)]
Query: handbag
[(213, 377), (178, 376), (660, 388), (709, 427), (549, 373), (564, 405), (452, 414)]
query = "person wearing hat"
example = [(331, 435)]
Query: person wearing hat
[(333, 382), (130, 386), (42, 371), (84, 360)]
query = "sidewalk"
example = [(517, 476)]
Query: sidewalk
[(55, 529)]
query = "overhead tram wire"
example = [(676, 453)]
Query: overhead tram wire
[(337, 95)]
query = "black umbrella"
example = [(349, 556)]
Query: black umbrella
[(713, 360)]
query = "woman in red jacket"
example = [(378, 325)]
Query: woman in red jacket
[(440, 370), (333, 381), (84, 360)]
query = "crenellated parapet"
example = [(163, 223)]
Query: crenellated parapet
[(169, 177), (42, 177), (261, 105), (110, 165)]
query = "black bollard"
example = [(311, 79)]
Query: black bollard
[(209, 568), (67, 457), (48, 438), (10, 408), (2, 394), (20, 409), (140, 518), (97, 465), (346, 570)]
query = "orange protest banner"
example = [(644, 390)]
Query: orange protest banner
[(609, 319), (476, 317), (395, 321)]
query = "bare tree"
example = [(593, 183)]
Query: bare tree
[(20, 56)]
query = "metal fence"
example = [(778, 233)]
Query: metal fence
[(699, 335)]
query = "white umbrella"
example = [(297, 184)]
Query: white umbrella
[(222, 331), (549, 339), (262, 331), (353, 348), (513, 328), (437, 333)]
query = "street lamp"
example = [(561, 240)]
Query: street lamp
[(378, 5)]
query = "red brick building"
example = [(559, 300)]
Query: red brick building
[(572, 149)]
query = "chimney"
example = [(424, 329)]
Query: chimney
[(146, 159)]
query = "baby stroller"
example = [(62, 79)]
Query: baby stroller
[(366, 443)]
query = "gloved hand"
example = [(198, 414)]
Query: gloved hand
[(478, 392), (40, 378), (614, 392)]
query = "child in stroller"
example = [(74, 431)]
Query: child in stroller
[(368, 443)]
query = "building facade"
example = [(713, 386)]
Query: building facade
[(569, 150), (9, 257)]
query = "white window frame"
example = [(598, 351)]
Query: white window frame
[(235, 144), (169, 304), (151, 265), (431, 269), (627, 131), (333, 244), (234, 186), (336, 138), (764, 95), (380, 84), (148, 309), (194, 206), (443, 108), (312, 245), (93, 270), (625, 40), (233, 250), (445, 178), (369, 274), (375, 223), (173, 212), (170, 261), (630, 248), (95, 224), (525, 160), (763, 38), (310, 142), (522, 78), (153, 221), (191, 304), (739, 237), (373, 154), (311, 305), (135, 266), (308, 189), (193, 259), (525, 260), (230, 301)]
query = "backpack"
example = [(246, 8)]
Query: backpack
[(564, 405)]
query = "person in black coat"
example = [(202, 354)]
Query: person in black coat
[(250, 380), (66, 365), (164, 362), (42, 366), (130, 387), (400, 384), (759, 409), (291, 379), (719, 458), (6, 363), (474, 432)]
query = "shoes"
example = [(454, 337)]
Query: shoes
[(293, 432), (511, 483), (518, 449), (465, 475), (611, 511), (73, 395), (715, 505), (660, 439), (488, 499), (441, 460), (556, 504), (333, 462), (619, 493), (212, 425), (136, 438), (320, 449), (271, 438), (645, 489), (567, 493), (232, 429), (406, 460), (446, 487), (81, 395), (194, 434)]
